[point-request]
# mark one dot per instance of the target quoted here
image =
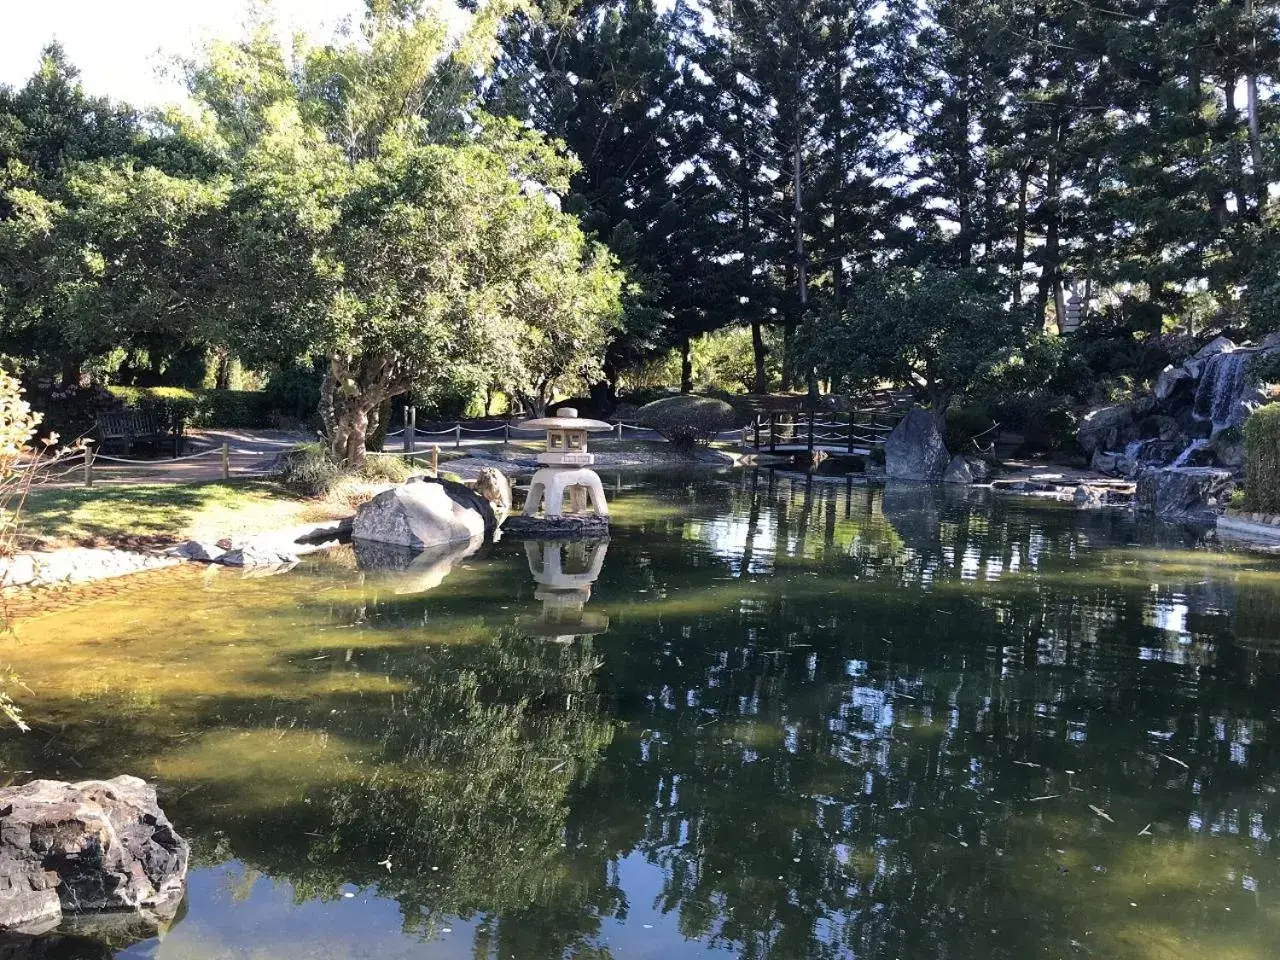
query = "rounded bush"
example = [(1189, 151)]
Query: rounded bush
[(686, 420)]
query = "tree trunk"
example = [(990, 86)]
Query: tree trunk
[(802, 264), (349, 393), (686, 365), (1020, 235), (222, 376), (1251, 105), (1231, 120), (758, 352), (72, 372), (379, 424), (1050, 276)]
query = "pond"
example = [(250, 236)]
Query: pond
[(789, 719)]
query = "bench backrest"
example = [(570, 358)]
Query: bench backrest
[(128, 424)]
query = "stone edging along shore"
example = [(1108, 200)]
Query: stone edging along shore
[(1251, 528)]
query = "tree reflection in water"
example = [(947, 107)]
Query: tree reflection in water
[(835, 721)]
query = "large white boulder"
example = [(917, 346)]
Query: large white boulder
[(423, 514)]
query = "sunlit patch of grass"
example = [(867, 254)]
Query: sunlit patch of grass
[(141, 515)]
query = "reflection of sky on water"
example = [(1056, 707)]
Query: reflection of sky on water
[(816, 721)]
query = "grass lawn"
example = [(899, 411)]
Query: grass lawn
[(141, 515)]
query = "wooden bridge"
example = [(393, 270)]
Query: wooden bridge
[(857, 432)]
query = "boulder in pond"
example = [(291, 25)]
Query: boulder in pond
[(958, 471), (916, 449), (99, 845), (1184, 493), (425, 513)]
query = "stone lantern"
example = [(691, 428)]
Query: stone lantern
[(566, 467)]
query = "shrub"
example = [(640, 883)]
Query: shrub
[(293, 392), (964, 425), (198, 408), (1262, 459), (308, 469), (688, 420), (390, 469)]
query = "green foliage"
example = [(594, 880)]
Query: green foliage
[(968, 424), (227, 409), (945, 330), (293, 391), (687, 420), (309, 470), (1262, 459)]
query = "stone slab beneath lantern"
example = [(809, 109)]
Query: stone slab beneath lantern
[(582, 526)]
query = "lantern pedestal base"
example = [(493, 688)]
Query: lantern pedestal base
[(550, 484)]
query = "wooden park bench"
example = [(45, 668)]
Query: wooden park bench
[(128, 428)]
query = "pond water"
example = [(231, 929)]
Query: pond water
[(788, 719)]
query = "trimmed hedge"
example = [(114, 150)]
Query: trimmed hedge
[(1262, 459), (688, 420), (199, 408)]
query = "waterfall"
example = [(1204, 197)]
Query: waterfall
[(1222, 385), (1190, 452)]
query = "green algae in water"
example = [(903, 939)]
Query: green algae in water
[(789, 719)]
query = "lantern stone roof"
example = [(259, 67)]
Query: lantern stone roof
[(566, 418)]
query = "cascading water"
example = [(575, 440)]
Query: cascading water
[(1222, 386), (1185, 456)]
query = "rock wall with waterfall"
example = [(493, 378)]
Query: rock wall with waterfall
[(1182, 442)]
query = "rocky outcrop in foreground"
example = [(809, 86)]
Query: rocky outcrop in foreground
[(68, 849)]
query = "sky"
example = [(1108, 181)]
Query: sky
[(119, 44)]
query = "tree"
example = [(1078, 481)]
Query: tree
[(381, 221), (107, 226), (938, 330)]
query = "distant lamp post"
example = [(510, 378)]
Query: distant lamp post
[(566, 467)]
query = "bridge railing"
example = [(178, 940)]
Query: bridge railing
[(851, 432)]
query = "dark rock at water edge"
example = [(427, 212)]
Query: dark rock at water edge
[(916, 449), (91, 847), (1184, 493)]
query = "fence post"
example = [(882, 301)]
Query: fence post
[(619, 429), (756, 423), (88, 466), (811, 411), (773, 432), (435, 459), (407, 439), (226, 461), (506, 433), (852, 414), (457, 435)]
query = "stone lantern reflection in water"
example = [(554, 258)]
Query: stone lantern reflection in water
[(564, 572), (566, 467)]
